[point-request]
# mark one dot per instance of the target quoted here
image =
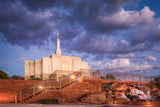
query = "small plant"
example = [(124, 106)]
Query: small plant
[(3, 75), (35, 79), (49, 101), (127, 92), (110, 77), (152, 85), (107, 95), (102, 77), (108, 86)]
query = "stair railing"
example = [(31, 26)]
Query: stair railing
[(48, 85), (32, 90)]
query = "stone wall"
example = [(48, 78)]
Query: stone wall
[(9, 88)]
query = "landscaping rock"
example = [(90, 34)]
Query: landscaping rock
[(61, 101), (121, 101), (116, 93), (121, 96), (109, 100), (96, 98)]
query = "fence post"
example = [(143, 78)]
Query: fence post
[(15, 99), (33, 89), (146, 78), (60, 84), (47, 85), (20, 96)]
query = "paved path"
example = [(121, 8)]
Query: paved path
[(71, 105)]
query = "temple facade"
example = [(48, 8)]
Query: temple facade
[(55, 66)]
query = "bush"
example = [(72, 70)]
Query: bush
[(110, 77), (127, 92), (108, 86), (16, 77), (102, 77), (3, 75), (49, 101), (107, 95), (152, 85), (36, 79), (33, 78)]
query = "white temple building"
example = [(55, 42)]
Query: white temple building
[(55, 66)]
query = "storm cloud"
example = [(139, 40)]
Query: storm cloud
[(92, 25), (104, 31)]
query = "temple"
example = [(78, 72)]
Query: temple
[(55, 66)]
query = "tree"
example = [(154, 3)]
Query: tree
[(102, 77), (16, 77), (3, 75), (110, 77)]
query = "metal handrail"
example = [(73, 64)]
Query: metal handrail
[(31, 91), (27, 90)]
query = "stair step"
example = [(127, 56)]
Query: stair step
[(53, 86)]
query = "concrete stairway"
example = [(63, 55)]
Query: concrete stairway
[(47, 94), (40, 89)]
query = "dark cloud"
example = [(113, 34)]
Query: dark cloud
[(6, 64), (23, 27), (148, 36), (25, 21), (157, 66), (92, 26)]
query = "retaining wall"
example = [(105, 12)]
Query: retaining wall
[(9, 88)]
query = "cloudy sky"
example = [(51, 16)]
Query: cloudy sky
[(112, 35)]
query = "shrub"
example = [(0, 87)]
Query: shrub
[(107, 95), (152, 85), (110, 77), (127, 92), (33, 78), (102, 77), (16, 77), (3, 75), (108, 86), (49, 101)]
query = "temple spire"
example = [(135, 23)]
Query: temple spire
[(58, 50), (57, 35)]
